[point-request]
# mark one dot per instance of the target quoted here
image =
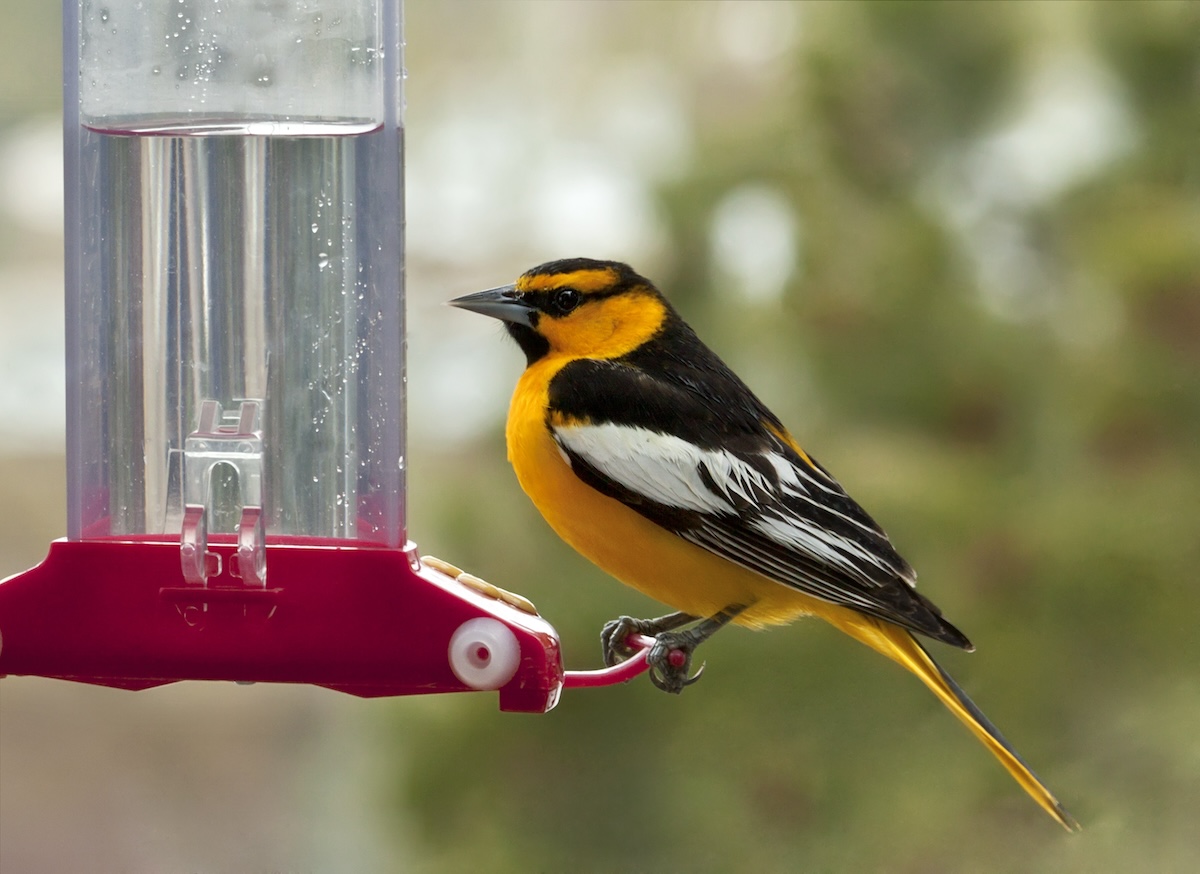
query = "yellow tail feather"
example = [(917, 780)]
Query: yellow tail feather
[(900, 646)]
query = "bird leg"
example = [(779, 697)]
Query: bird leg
[(615, 633), (670, 659)]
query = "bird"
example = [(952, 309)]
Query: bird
[(646, 453)]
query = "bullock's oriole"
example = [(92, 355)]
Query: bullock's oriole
[(646, 453)]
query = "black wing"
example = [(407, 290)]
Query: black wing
[(710, 466)]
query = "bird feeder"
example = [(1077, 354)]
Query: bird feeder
[(235, 373)]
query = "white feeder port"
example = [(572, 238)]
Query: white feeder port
[(484, 654)]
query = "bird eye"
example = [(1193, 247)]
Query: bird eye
[(565, 300)]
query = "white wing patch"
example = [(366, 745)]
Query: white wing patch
[(662, 468)]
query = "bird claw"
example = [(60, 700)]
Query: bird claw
[(614, 638), (675, 680), (670, 661)]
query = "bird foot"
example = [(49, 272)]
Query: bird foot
[(670, 658), (614, 637), (670, 661)]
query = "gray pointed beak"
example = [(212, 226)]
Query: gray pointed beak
[(500, 303)]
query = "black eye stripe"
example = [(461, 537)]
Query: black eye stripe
[(560, 301)]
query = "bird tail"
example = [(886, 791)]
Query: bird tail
[(899, 645)]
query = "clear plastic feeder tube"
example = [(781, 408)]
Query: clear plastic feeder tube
[(234, 270)]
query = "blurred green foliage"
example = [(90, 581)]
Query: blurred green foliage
[(30, 65), (1039, 466)]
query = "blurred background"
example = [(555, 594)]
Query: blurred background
[(956, 246)]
